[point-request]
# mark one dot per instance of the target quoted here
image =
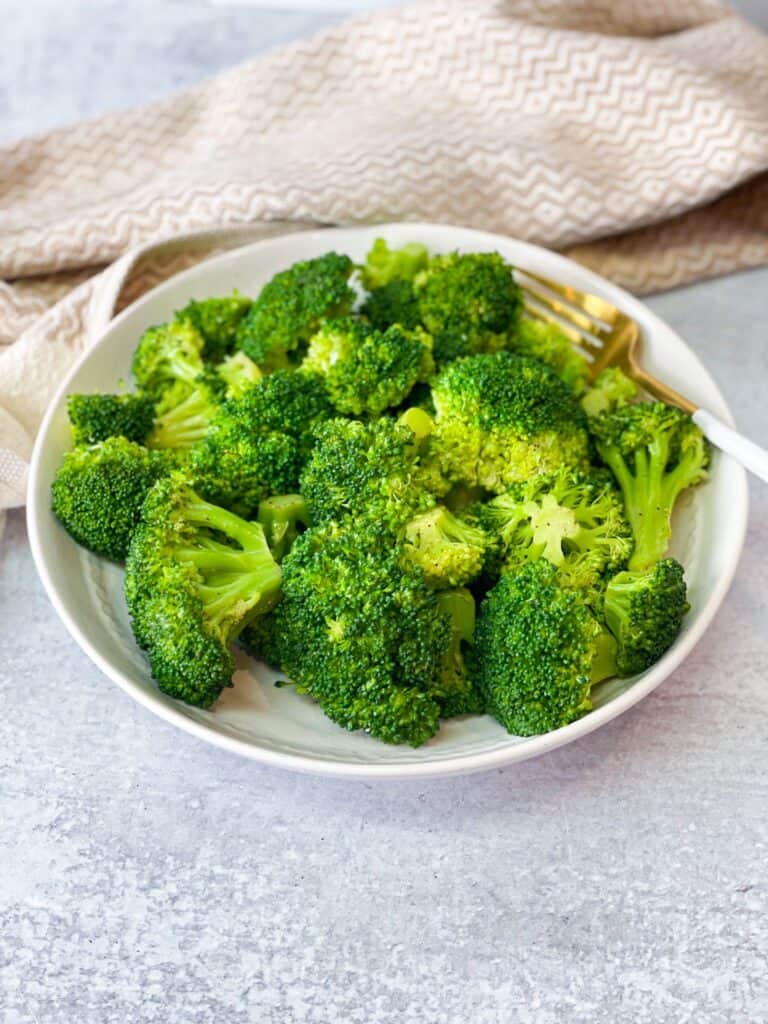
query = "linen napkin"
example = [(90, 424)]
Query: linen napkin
[(634, 136)]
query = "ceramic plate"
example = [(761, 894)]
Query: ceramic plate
[(274, 725)]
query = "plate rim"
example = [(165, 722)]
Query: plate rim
[(458, 764)]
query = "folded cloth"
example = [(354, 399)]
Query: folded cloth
[(644, 126)]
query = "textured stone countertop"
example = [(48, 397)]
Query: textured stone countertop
[(148, 877)]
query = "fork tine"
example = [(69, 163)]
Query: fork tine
[(598, 309), (579, 317), (572, 333)]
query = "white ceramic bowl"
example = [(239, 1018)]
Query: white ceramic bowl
[(274, 725)]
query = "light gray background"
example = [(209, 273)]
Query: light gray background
[(145, 876)]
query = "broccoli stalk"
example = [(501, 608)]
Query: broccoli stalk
[(655, 452), (453, 689), (644, 611), (449, 551), (280, 517)]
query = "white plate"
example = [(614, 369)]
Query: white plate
[(275, 725)]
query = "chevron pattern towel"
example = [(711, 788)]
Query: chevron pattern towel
[(633, 135)]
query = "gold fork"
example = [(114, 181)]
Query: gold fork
[(608, 337)]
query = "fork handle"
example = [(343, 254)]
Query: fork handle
[(750, 455)]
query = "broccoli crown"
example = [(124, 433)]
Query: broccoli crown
[(216, 320), (644, 611), (449, 551), (166, 355), (655, 451), (355, 465), (291, 307), (537, 651), (469, 303), (181, 424), (550, 344), (261, 639), (393, 303), (504, 418), (98, 492), (359, 631), (281, 518), (366, 370), (610, 390), (384, 265), (257, 444), (574, 520), (195, 576), (96, 417)]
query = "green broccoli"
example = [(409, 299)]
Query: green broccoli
[(359, 631), (610, 390), (256, 445), (96, 417), (537, 651), (450, 552), (281, 517), (644, 611), (239, 373), (98, 492), (469, 303), (505, 418), (655, 451), (170, 354), (366, 370), (550, 344), (291, 307), (196, 575), (575, 520), (393, 303), (181, 424), (384, 265), (453, 689), (217, 321)]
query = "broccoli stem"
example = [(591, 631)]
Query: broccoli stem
[(184, 424), (604, 661)]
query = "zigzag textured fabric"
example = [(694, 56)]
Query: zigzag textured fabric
[(634, 136)]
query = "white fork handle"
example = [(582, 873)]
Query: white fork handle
[(750, 455)]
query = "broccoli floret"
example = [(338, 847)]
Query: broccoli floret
[(393, 303), (453, 689), (170, 354), (261, 639), (239, 373), (359, 631), (98, 492), (550, 344), (610, 390), (655, 451), (450, 552), (195, 576), (366, 370), (384, 265), (574, 520), (281, 518), (96, 417), (644, 611), (217, 321), (505, 418), (537, 651), (181, 424), (291, 307), (256, 445), (469, 303), (355, 465)]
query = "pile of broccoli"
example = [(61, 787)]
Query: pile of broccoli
[(390, 484)]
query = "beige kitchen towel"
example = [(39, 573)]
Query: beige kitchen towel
[(634, 135)]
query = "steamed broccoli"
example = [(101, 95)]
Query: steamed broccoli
[(644, 611), (393, 303), (291, 307), (239, 373), (574, 520), (98, 492), (217, 321), (96, 417), (256, 445), (280, 518), (384, 265), (505, 418), (610, 390), (469, 303), (537, 651), (171, 354), (453, 688), (655, 451), (550, 344), (195, 576), (450, 552), (366, 370)]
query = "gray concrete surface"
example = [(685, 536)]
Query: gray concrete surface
[(147, 877)]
